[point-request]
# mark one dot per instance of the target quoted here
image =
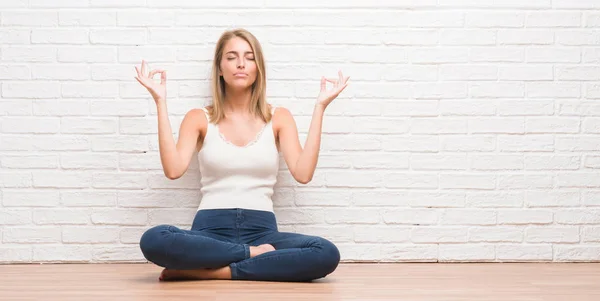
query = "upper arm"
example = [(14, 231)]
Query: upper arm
[(190, 132), (289, 142)]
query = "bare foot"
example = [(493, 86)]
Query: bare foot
[(200, 274), (255, 251)]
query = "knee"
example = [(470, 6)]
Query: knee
[(330, 257), (153, 242)]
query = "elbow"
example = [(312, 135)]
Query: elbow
[(304, 180), (171, 175)]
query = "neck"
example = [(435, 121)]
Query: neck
[(238, 101)]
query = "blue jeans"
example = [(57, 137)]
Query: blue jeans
[(222, 237)]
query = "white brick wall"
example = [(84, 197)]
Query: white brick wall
[(470, 131)]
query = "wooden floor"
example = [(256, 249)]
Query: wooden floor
[(401, 281)]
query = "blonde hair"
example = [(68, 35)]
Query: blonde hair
[(258, 103)]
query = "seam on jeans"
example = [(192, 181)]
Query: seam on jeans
[(265, 256), (233, 269)]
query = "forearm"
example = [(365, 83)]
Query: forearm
[(169, 157), (307, 162)]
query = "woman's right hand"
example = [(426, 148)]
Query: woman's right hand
[(157, 90)]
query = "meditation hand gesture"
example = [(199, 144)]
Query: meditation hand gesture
[(327, 96), (157, 90)]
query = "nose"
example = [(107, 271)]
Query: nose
[(241, 64)]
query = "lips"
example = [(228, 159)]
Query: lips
[(240, 74)]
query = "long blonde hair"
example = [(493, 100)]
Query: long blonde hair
[(258, 102)]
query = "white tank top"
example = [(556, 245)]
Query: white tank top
[(238, 177)]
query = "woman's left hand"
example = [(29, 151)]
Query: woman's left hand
[(327, 96)]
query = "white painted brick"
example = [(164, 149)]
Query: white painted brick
[(591, 19), (579, 108), (524, 216), (580, 4), (440, 90), (411, 216), (458, 143), (57, 4), (118, 36), (32, 235), (88, 161), (73, 125), (88, 198), (119, 180), (496, 89), (577, 143), (551, 162), (418, 199), (131, 235), (460, 37), (577, 216), (591, 90), (495, 234), (467, 108), (370, 126), (526, 143), (466, 252), (384, 198), (432, 234), (590, 234), (553, 55), (87, 18), (494, 19), (140, 161), (409, 252), (15, 217), (122, 143), (467, 181), (555, 90), (540, 198), (29, 54), (30, 161), (497, 54), (577, 37), (525, 181), (176, 216), (61, 179), (352, 216), (62, 253), (438, 55), (360, 252), (325, 198), (15, 4), (468, 217), (15, 36), (62, 107), (495, 199), (15, 107), (514, 125), (15, 253), (578, 179), (573, 253), (552, 234), (468, 72), (61, 216), (353, 179), (553, 19), (33, 125), (118, 253), (411, 180), (96, 54), (579, 73), (332, 160), (438, 126), (591, 198), (525, 73), (59, 36), (524, 252), (89, 90), (525, 37), (591, 161), (496, 4), (496, 162), (591, 125), (300, 216), (31, 89), (410, 143), (416, 37), (14, 72), (552, 125), (438, 162), (120, 108), (30, 198), (591, 55), (15, 179), (127, 217)]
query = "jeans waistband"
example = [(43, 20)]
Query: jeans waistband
[(234, 218)]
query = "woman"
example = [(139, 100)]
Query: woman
[(237, 139)]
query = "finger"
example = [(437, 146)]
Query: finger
[(341, 76), (331, 80), (347, 78), (143, 70), (139, 81), (153, 72), (138, 71), (163, 77), (323, 83)]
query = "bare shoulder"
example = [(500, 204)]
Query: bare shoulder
[(282, 117), (196, 119)]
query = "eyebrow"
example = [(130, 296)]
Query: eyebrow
[(236, 52)]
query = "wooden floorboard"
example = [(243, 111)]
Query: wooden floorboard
[(351, 281)]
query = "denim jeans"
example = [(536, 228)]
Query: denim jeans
[(222, 237)]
